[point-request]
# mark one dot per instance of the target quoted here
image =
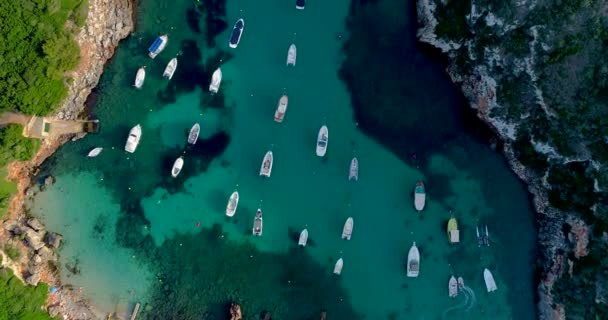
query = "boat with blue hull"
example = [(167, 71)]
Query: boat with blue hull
[(237, 31), (158, 45)]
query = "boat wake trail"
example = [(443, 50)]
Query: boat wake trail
[(466, 305)]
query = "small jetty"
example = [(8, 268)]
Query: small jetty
[(135, 312)]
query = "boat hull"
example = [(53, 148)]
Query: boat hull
[(279, 114), (353, 173), (95, 152), (322, 141), (419, 196), (347, 231), (300, 4), (489, 280), (266, 167), (170, 69), (216, 80), (258, 223), (413, 262), (139, 78), (292, 55), (177, 167), (194, 132), (237, 32), (233, 203), (158, 46), (303, 238), (338, 266), (452, 287), (133, 139)]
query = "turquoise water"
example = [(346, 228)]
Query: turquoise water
[(137, 235)]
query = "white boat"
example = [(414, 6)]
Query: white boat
[(338, 266), (266, 167), (170, 69), (303, 238), (193, 135), (489, 279), (291, 55), (460, 283), (419, 196), (177, 167), (216, 80), (322, 140), (95, 152), (158, 45), (347, 231), (300, 4), (279, 114), (133, 139), (353, 172), (258, 223), (413, 261), (452, 287), (140, 77), (237, 32), (233, 202)]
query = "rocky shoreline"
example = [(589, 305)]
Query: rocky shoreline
[(108, 22)]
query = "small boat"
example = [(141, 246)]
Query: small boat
[(140, 77), (158, 45), (452, 287), (193, 135), (453, 232), (460, 283), (489, 279), (257, 223), (303, 238), (170, 69), (233, 202), (353, 173), (266, 168), (487, 236), (413, 261), (347, 231), (133, 139), (300, 4), (338, 267), (419, 196), (216, 80), (95, 152), (177, 167), (291, 55), (322, 140), (237, 31), (482, 238), (281, 109)]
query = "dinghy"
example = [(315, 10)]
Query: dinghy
[(347, 231), (489, 279), (216, 80), (353, 173), (303, 238), (95, 152), (193, 135), (338, 267), (281, 109), (291, 55), (452, 287), (177, 167), (453, 232), (300, 4), (170, 69), (237, 32), (266, 168), (158, 45), (413, 261), (133, 139), (419, 196), (233, 202), (140, 77), (257, 223), (460, 283), (322, 140)]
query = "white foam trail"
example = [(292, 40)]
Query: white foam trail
[(468, 302)]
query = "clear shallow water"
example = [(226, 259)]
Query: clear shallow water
[(133, 229)]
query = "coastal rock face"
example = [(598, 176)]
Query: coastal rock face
[(53, 239), (535, 72)]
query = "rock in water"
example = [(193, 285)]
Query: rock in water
[(235, 312), (35, 224)]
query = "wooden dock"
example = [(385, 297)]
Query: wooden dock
[(135, 311)]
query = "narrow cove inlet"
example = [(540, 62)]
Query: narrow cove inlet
[(135, 233)]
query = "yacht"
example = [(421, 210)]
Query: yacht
[(177, 167), (419, 196), (453, 232), (322, 140), (303, 238), (193, 135), (170, 69), (133, 139), (216, 80), (353, 172), (338, 266), (413, 261), (237, 32), (266, 168), (291, 55), (347, 231), (489, 279), (140, 77), (257, 223), (233, 202), (281, 109), (95, 152), (158, 45), (452, 287)]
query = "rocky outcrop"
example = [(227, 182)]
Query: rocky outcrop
[(235, 312)]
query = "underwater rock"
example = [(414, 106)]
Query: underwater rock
[(235, 312), (48, 181)]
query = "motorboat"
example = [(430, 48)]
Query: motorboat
[(483, 238), (158, 45), (338, 266), (237, 32), (177, 167), (489, 279), (291, 55), (347, 231), (419, 196), (300, 4), (453, 232), (266, 167), (233, 202), (413, 261), (216, 80), (279, 114), (95, 152), (140, 77), (452, 287), (322, 140), (257, 223), (303, 238), (353, 172), (193, 135), (460, 283), (133, 139), (170, 69)]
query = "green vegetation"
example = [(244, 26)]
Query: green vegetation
[(18, 301), (12, 252), (451, 17)]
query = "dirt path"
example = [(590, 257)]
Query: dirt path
[(14, 117)]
